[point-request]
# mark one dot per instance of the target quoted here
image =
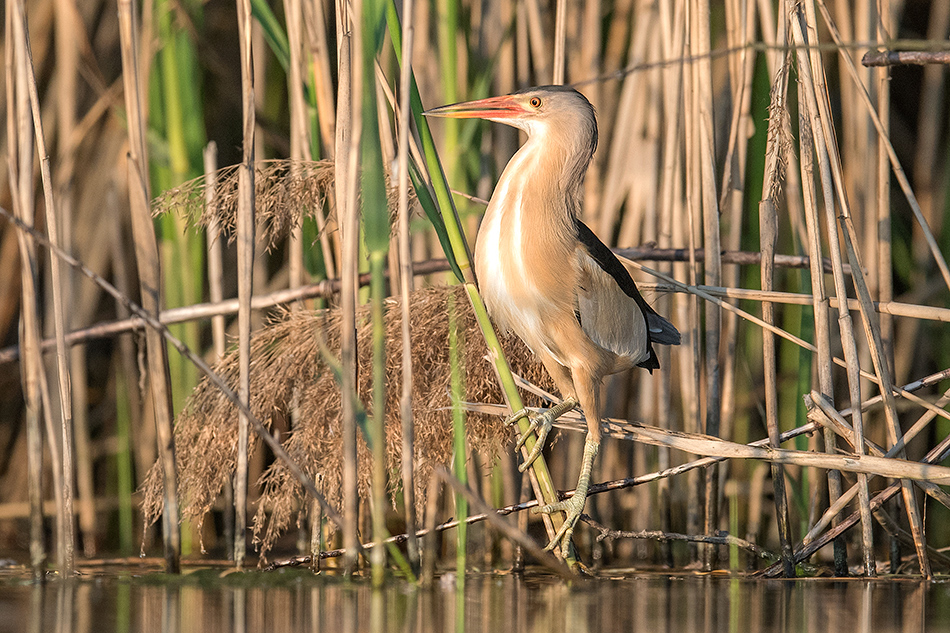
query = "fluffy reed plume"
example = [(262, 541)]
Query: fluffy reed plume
[(287, 354), (285, 191)]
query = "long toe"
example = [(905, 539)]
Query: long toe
[(573, 508), (541, 424)]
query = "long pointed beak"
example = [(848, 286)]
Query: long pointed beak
[(505, 107)]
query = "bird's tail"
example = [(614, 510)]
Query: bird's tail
[(661, 330)]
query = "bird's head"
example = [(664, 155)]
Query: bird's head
[(545, 110)]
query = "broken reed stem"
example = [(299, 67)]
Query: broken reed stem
[(65, 551), (905, 58), (934, 456), (666, 537), (831, 419), (404, 260), (215, 379)]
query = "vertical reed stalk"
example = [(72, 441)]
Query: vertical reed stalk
[(216, 294), (768, 234), (326, 113), (869, 318), (460, 451), (702, 76), (375, 213), (245, 252), (740, 26), (67, 72), (300, 150), (820, 307), (299, 131), (844, 317), (348, 130), (150, 280), (20, 170), (405, 285), (560, 40), (65, 552), (885, 287)]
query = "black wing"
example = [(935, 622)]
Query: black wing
[(659, 330)]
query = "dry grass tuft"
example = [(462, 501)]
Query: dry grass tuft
[(286, 354)]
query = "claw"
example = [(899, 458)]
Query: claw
[(541, 425), (573, 508)]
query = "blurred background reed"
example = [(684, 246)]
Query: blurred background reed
[(707, 114)]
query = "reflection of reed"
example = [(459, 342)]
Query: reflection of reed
[(489, 602), (682, 95)]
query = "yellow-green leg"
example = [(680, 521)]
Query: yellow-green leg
[(574, 506)]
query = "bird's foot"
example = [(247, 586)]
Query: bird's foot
[(573, 507), (541, 424)]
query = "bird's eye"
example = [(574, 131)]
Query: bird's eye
[(535, 102)]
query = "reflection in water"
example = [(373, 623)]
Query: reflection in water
[(487, 603)]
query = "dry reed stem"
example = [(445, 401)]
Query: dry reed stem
[(560, 40), (820, 307), (349, 129), (286, 357), (904, 58), (65, 550), (811, 71), (768, 235), (216, 293), (830, 418), (704, 174), (20, 170), (245, 271), (702, 444), (404, 259), (872, 329), (150, 279)]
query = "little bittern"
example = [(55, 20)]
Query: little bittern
[(545, 276)]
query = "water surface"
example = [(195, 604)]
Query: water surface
[(299, 602)]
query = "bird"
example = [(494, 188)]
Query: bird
[(544, 275)]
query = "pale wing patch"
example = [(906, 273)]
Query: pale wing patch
[(609, 317)]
